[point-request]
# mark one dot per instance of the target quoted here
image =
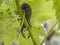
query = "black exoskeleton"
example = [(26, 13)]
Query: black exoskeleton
[(28, 12)]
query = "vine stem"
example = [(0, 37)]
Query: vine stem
[(25, 21), (49, 32)]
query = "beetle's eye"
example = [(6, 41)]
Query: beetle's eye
[(24, 6)]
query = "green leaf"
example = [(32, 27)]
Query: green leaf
[(57, 7), (1, 1)]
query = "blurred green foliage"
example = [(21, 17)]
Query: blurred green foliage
[(42, 10)]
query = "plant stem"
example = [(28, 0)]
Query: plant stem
[(49, 33)]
